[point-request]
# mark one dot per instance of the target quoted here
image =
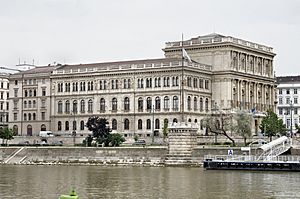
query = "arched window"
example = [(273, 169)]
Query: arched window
[(82, 106), (189, 103), (166, 103), (148, 124), (114, 104), (33, 103), (43, 127), (25, 116), (195, 121), (33, 116), (175, 120), (59, 125), (157, 103), (140, 104), (190, 120), (102, 105), (126, 104), (75, 106), (82, 125), (140, 124), (29, 116), (29, 130), (67, 107), (114, 124), (175, 103), (206, 105), (67, 126), (126, 124), (195, 104), (59, 107), (74, 125), (26, 93), (25, 104), (157, 125), (15, 129), (149, 103), (201, 104), (30, 93), (29, 104), (90, 106)]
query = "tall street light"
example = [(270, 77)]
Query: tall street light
[(152, 124), (291, 108)]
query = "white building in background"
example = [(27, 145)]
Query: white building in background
[(288, 96), (138, 96)]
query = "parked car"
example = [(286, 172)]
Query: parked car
[(24, 142), (57, 143), (140, 142)]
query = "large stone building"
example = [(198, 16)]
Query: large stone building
[(288, 95), (242, 71), (139, 96), (29, 105)]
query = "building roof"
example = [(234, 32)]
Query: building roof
[(105, 64), (40, 69), (287, 79)]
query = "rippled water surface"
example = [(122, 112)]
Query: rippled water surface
[(49, 182)]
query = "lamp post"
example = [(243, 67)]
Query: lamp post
[(291, 125), (152, 124), (74, 126)]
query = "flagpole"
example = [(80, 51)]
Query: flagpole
[(182, 81)]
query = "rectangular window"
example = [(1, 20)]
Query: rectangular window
[(295, 100), (16, 92), (7, 105), (295, 91), (296, 111), (43, 104), (15, 116), (287, 100), (16, 82), (16, 104), (280, 111), (43, 91), (1, 95), (43, 115), (287, 91), (280, 100), (280, 91), (206, 84)]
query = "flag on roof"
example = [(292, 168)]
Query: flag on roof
[(185, 55)]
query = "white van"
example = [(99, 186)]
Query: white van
[(46, 134)]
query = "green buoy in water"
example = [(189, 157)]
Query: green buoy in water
[(72, 195)]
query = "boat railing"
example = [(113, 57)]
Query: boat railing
[(251, 158)]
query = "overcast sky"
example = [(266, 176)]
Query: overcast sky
[(88, 31)]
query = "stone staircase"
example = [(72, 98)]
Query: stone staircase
[(17, 157)]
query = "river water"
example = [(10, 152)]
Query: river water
[(48, 182)]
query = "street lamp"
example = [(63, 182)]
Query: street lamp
[(152, 124), (291, 108), (74, 126)]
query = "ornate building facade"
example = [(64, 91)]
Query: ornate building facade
[(138, 97), (30, 105), (243, 76)]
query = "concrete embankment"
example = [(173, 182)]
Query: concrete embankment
[(137, 156)]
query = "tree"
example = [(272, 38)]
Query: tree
[(100, 128), (6, 134), (219, 124), (271, 125), (116, 139), (242, 124)]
